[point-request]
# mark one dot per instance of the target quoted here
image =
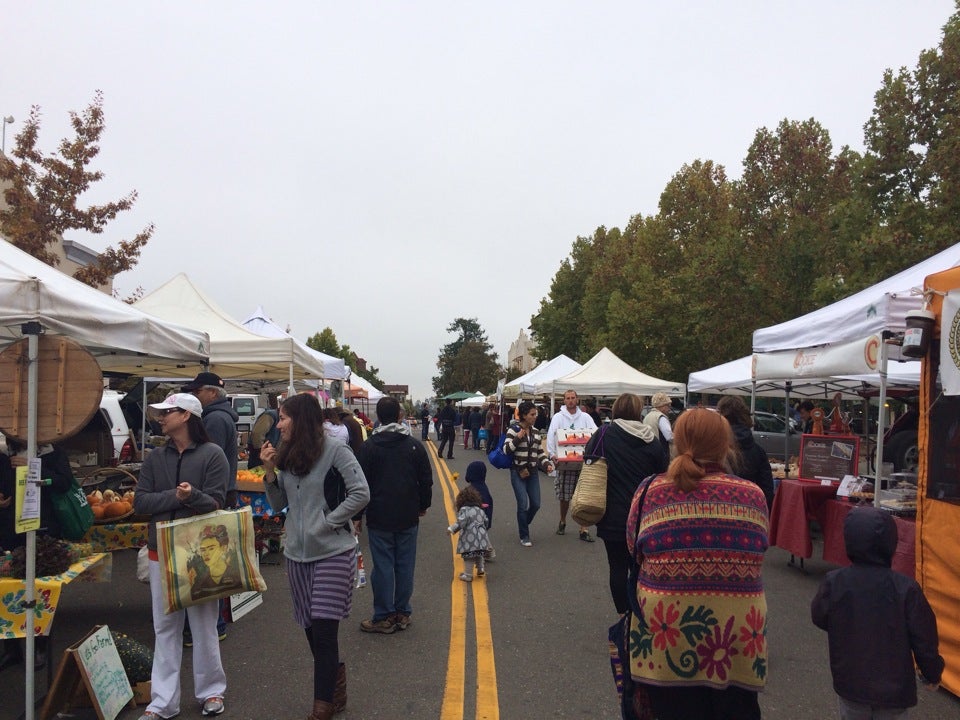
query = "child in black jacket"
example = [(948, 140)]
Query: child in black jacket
[(878, 623)]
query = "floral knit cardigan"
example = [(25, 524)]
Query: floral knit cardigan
[(704, 613)]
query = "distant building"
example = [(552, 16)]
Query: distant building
[(400, 392), (520, 355)]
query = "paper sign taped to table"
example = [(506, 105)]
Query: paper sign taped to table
[(848, 485)]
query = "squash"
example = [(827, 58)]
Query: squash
[(97, 511), (116, 508)]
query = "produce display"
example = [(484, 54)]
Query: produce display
[(109, 504), (255, 475)]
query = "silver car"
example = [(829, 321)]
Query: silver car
[(770, 433)]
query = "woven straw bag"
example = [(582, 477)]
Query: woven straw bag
[(589, 501)]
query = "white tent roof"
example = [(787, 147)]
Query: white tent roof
[(372, 393), (607, 375), (478, 400), (735, 378), (121, 337), (544, 372), (868, 312), (235, 352), (260, 323)]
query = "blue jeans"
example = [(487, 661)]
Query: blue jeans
[(394, 556), (527, 492)]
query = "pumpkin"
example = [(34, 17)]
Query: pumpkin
[(116, 508), (97, 511)]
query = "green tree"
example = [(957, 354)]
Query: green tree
[(467, 363), (43, 196), (325, 341)]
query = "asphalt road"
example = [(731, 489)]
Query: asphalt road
[(545, 611)]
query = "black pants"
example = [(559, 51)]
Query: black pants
[(448, 435), (322, 636), (618, 561), (701, 703)]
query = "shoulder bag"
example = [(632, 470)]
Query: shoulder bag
[(589, 502), (73, 511), (186, 578)]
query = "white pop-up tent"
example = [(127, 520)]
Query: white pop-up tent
[(879, 309), (478, 400), (869, 312), (36, 298), (544, 372), (121, 337), (236, 353), (260, 323), (607, 375)]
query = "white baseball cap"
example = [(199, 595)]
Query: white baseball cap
[(180, 401)]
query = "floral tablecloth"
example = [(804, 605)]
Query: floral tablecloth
[(116, 536), (96, 568)]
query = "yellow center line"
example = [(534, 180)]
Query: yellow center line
[(452, 707), (487, 702)]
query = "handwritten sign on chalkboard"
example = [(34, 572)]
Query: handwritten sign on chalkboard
[(829, 456), (95, 662)]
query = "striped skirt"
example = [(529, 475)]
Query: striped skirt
[(322, 589)]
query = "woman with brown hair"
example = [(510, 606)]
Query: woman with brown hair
[(698, 535), (632, 451), (750, 461), (320, 547)]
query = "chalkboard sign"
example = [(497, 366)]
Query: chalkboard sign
[(829, 456), (95, 662)]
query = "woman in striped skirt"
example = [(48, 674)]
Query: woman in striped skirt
[(320, 546)]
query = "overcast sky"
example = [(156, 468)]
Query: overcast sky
[(384, 168)]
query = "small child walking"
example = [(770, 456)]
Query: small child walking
[(472, 525), (477, 478), (878, 623)]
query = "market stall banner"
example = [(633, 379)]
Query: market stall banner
[(950, 343)]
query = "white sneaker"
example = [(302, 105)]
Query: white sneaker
[(526, 542), (466, 578)]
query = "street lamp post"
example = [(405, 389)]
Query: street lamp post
[(6, 121)]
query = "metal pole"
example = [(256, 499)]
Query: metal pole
[(881, 418), (33, 351)]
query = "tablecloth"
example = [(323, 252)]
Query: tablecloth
[(96, 568), (796, 503), (116, 536), (834, 550)]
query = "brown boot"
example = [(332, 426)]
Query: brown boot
[(321, 711), (340, 689)]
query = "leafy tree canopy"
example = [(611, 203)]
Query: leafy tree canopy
[(325, 341), (467, 363), (43, 196)]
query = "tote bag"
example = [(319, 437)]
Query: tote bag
[(207, 557), (589, 502), (73, 512), (498, 458)]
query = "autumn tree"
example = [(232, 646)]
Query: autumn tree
[(467, 363), (42, 194), (326, 342)]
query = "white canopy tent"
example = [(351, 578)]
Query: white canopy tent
[(607, 375), (869, 312), (544, 372), (478, 400), (260, 323), (121, 337), (879, 309), (37, 298), (235, 352)]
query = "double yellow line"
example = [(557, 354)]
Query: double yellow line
[(487, 702)]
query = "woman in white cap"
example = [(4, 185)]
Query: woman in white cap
[(188, 476)]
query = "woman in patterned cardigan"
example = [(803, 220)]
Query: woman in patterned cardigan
[(698, 635)]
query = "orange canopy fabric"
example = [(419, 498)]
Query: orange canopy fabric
[(938, 522)]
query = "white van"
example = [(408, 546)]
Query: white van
[(248, 408)]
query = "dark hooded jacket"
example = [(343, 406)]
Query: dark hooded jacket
[(477, 477), (753, 463), (220, 422), (398, 472), (878, 622), (633, 452)]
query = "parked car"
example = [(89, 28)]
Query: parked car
[(771, 432), (900, 444), (105, 440)]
